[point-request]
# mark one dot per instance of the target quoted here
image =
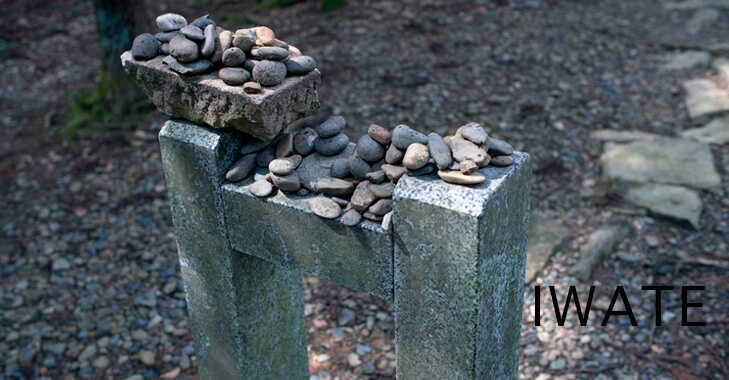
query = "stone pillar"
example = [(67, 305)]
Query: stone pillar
[(459, 260), (247, 314)]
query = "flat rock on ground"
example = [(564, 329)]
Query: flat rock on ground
[(674, 202), (664, 160), (545, 237), (716, 132), (696, 4), (686, 60), (601, 243), (705, 98)]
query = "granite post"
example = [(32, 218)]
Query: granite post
[(459, 261), (247, 314)]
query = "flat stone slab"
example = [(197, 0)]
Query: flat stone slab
[(662, 160), (686, 60), (601, 243), (721, 66), (705, 98), (282, 229), (674, 202), (687, 5), (544, 239), (715, 132), (621, 136), (206, 99)]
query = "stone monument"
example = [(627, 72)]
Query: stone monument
[(435, 224)]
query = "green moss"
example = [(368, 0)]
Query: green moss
[(330, 5), (107, 104)]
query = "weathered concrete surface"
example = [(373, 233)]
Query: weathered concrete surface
[(716, 132), (662, 160), (282, 229), (205, 99), (673, 202), (601, 243), (545, 237), (247, 315), (459, 274), (705, 98)]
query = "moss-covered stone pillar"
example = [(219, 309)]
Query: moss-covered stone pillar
[(247, 314), (459, 261)]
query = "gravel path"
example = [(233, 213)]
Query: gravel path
[(89, 286)]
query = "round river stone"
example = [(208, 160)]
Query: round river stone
[(369, 150), (460, 178), (234, 76), (170, 21), (145, 46), (325, 207), (184, 50), (300, 64), (333, 126), (331, 146), (269, 73), (234, 57), (270, 52)]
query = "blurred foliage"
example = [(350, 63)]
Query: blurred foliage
[(330, 5), (264, 5)]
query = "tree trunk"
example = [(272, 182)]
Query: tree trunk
[(118, 22)]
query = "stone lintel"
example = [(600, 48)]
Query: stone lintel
[(282, 229), (207, 100)]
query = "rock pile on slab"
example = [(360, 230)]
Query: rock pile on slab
[(356, 181), (250, 57)]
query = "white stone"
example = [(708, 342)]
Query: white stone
[(716, 132), (676, 202), (686, 60), (705, 98), (664, 160)]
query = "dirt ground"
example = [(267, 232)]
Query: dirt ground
[(539, 74)]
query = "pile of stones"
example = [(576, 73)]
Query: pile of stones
[(361, 178), (251, 57)]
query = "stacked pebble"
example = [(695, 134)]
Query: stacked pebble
[(364, 181), (251, 57)]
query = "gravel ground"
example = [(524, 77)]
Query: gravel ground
[(90, 287)]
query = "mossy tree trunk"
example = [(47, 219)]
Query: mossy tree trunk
[(118, 22), (114, 100)]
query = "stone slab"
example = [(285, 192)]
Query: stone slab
[(459, 285), (663, 160), (282, 229), (687, 5), (715, 132), (246, 314), (621, 136), (721, 66), (206, 99), (545, 238), (705, 98), (674, 202), (685, 60), (702, 19), (600, 244)]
